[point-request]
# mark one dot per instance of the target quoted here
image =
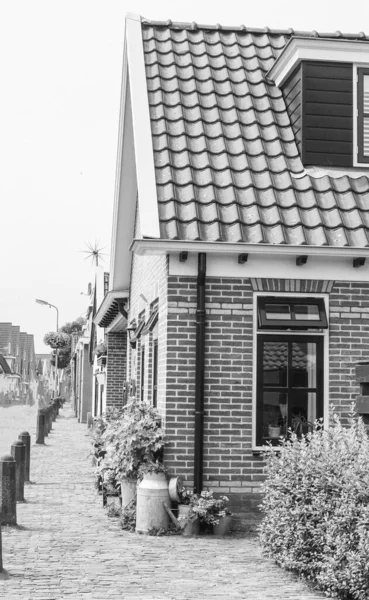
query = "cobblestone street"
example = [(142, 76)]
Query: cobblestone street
[(65, 546)]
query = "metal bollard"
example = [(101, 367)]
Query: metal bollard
[(18, 451), (49, 417), (26, 439), (8, 499), (40, 433)]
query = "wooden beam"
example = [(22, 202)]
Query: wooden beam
[(301, 260), (358, 262), (242, 258)]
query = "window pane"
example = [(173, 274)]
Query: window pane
[(303, 364), (274, 414), (306, 312), (303, 412), (366, 94), (278, 311), (366, 136), (275, 361)]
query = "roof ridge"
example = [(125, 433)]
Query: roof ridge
[(261, 30)]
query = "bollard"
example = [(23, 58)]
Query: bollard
[(40, 433), (8, 500), (18, 451), (26, 439), (1, 551), (49, 418), (53, 411), (90, 420)]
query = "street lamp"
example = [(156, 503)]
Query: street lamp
[(57, 329)]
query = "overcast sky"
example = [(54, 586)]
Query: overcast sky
[(60, 86)]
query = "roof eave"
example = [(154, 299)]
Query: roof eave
[(159, 247)]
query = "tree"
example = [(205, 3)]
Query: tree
[(62, 341)]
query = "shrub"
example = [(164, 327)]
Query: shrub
[(316, 505)]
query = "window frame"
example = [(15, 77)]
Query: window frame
[(324, 333), (360, 114), (288, 389)]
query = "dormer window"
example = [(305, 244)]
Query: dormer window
[(325, 85), (363, 115)]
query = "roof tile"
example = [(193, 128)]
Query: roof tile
[(226, 161)]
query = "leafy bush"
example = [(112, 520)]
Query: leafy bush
[(316, 505), (133, 441)]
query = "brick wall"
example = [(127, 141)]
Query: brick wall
[(349, 341), (229, 464), (116, 368), (148, 284)]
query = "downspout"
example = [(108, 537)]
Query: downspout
[(200, 368)]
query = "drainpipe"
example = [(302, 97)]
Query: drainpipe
[(200, 368)]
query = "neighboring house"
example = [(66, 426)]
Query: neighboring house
[(82, 374), (238, 301), (17, 348), (97, 346)]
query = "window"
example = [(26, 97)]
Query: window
[(290, 366), (155, 375), (142, 390), (363, 115), (295, 313)]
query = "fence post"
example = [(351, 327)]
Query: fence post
[(26, 439), (8, 503), (18, 451)]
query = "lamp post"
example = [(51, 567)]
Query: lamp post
[(57, 329)]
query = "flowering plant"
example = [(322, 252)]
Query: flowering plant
[(185, 495), (208, 509)]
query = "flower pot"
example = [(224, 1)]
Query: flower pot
[(191, 528), (183, 510), (128, 487), (274, 431), (224, 526)]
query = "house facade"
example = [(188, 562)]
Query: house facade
[(238, 298)]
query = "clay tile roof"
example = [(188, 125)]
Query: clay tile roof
[(226, 162)]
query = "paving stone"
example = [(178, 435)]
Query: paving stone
[(67, 547)]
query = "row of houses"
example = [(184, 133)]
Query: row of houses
[(238, 297), (24, 375)]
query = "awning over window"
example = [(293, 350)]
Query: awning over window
[(291, 313)]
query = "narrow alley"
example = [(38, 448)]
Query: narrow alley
[(65, 546)]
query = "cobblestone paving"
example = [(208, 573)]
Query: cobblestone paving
[(65, 546)]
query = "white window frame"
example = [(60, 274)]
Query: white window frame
[(355, 107), (324, 334)]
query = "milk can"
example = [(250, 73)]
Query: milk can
[(152, 491)]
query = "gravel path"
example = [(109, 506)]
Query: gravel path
[(65, 546)]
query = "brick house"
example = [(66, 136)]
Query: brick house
[(238, 301)]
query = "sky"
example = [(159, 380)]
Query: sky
[(61, 63)]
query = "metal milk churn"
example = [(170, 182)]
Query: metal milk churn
[(152, 492)]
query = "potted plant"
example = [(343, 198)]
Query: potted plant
[(134, 439), (185, 497), (209, 511), (274, 430)]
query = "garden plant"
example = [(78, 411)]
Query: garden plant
[(316, 507)]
